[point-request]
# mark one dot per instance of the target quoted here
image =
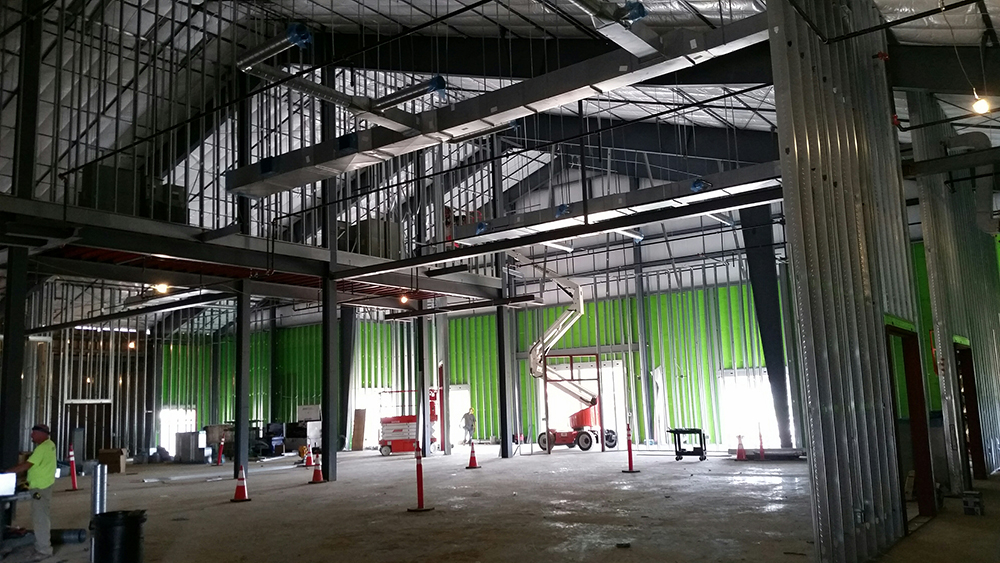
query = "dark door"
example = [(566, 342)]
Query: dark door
[(912, 433), (970, 411)]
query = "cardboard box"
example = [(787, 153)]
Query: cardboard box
[(114, 458)]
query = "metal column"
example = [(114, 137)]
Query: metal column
[(26, 122), (348, 328), (441, 367), (331, 390), (276, 390), (242, 387), (640, 300), (243, 144), (13, 354), (758, 241), (505, 354)]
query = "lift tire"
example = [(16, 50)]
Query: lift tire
[(385, 450), (680, 457), (610, 438), (543, 442), (703, 458), (584, 440)]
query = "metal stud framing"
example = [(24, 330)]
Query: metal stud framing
[(830, 134)]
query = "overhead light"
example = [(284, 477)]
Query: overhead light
[(404, 299), (161, 288), (632, 234), (981, 105), (131, 345), (558, 246)]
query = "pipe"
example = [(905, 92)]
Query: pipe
[(297, 35), (68, 536), (403, 95)]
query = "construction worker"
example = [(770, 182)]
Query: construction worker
[(469, 424), (41, 468)]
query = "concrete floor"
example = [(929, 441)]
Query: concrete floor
[(570, 506)]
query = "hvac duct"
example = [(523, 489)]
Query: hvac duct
[(984, 180), (297, 35), (378, 112)]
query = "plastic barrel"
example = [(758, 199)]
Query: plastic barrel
[(118, 536)]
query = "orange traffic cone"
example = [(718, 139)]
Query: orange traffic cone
[(309, 457), (473, 464), (741, 453), (241, 488), (761, 446), (317, 475), (72, 469)]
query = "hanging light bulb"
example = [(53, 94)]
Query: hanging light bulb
[(981, 105), (161, 288), (404, 299)]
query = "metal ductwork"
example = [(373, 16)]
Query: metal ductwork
[(621, 24), (618, 69), (377, 112), (983, 181)]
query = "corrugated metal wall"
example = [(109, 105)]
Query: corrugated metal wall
[(964, 290), (836, 156)]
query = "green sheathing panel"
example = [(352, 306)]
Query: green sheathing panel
[(187, 376), (694, 335), (299, 369), (925, 325), (473, 354)]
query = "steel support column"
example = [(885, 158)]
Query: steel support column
[(758, 241), (331, 390), (242, 387), (644, 351), (276, 391), (348, 329), (26, 122), (243, 144), (504, 353), (442, 368), (12, 358)]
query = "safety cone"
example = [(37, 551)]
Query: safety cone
[(473, 464), (309, 457), (317, 475), (241, 488), (761, 445), (741, 452), (72, 469), (420, 482), (222, 446)]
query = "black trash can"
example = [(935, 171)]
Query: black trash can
[(118, 536)]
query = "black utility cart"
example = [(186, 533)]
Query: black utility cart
[(697, 451)]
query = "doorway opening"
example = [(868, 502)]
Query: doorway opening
[(912, 430), (971, 424)]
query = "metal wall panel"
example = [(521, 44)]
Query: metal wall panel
[(835, 155), (964, 291)]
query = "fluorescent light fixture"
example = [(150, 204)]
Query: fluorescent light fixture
[(633, 234), (558, 246)]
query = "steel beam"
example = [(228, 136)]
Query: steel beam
[(965, 161), (678, 141), (242, 377), (527, 58), (171, 306), (677, 194), (12, 358), (564, 86), (757, 197), (758, 243)]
